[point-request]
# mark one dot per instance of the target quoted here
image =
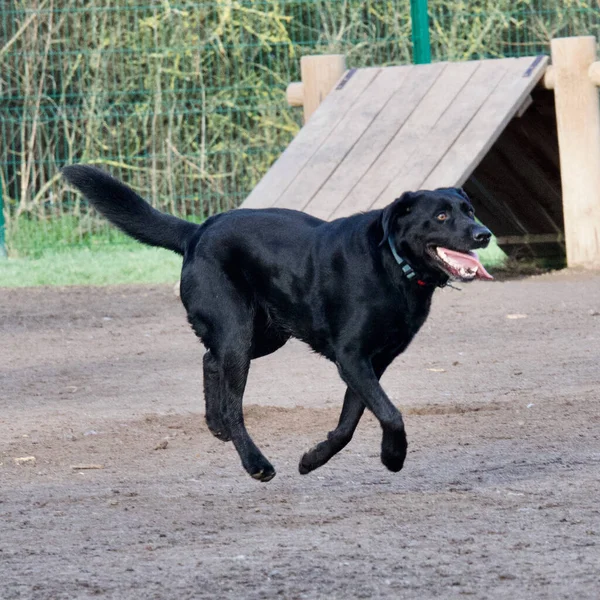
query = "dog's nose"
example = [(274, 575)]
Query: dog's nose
[(482, 235)]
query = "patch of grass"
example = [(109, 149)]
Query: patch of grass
[(108, 265), (30, 237), (33, 238)]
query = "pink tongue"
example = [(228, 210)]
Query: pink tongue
[(468, 261)]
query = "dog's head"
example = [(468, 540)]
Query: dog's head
[(436, 232)]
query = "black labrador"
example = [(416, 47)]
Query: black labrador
[(356, 290)]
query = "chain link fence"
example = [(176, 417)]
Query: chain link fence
[(185, 100)]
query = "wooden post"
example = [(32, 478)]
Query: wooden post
[(319, 76), (578, 122)]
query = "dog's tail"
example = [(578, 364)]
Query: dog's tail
[(128, 211)]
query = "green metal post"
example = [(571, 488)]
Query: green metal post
[(420, 32), (2, 224)]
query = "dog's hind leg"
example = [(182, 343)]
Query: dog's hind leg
[(212, 396), (223, 318), (233, 359)]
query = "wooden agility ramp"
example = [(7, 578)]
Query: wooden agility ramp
[(383, 131)]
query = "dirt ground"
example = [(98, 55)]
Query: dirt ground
[(499, 497)]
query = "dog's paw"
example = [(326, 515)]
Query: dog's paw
[(258, 467), (393, 450), (316, 457), (392, 462), (307, 463), (264, 475)]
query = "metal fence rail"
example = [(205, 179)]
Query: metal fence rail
[(186, 100)]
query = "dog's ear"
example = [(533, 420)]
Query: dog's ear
[(398, 208)]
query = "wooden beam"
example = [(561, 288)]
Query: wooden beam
[(593, 73), (578, 123), (319, 76), (295, 94)]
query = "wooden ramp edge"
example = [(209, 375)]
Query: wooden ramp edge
[(383, 131)]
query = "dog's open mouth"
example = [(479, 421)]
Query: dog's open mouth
[(461, 265)]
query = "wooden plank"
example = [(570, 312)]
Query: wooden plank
[(414, 85), (486, 126), (341, 140), (428, 150), (399, 151), (309, 140)]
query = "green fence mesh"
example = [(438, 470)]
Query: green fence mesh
[(186, 100)]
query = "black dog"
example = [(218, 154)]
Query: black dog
[(356, 290)]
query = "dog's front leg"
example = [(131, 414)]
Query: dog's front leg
[(360, 376), (339, 438)]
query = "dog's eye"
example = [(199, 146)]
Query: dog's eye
[(442, 216)]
